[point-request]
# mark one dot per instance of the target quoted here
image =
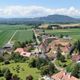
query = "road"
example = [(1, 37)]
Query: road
[(36, 37)]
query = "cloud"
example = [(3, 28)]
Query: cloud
[(36, 11)]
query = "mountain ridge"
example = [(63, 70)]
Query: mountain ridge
[(50, 18)]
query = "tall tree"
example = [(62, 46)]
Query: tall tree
[(76, 70)]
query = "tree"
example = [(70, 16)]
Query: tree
[(29, 77), (61, 35), (41, 62), (1, 59), (6, 62), (18, 58), (23, 44), (59, 55), (1, 74), (8, 74), (76, 70), (15, 77), (32, 62), (76, 47), (48, 69), (17, 44)]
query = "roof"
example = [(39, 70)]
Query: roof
[(26, 54), (76, 57), (23, 52), (8, 45), (63, 76), (20, 50)]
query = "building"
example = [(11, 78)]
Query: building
[(63, 76), (23, 52)]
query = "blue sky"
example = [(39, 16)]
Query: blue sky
[(35, 8), (46, 3)]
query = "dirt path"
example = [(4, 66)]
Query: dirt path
[(12, 36)]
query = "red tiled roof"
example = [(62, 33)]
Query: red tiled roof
[(19, 50), (22, 52), (63, 76)]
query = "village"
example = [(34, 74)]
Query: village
[(54, 55)]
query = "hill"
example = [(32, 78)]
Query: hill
[(51, 18)]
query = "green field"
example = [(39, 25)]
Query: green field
[(24, 33), (24, 71), (15, 27), (74, 33), (5, 35)]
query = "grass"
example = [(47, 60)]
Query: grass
[(74, 33), (25, 70)]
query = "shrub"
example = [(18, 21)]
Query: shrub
[(6, 62)]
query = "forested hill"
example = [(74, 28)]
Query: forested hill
[(50, 18)]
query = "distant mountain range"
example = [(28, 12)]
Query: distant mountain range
[(51, 18)]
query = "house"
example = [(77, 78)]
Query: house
[(76, 57), (63, 44), (67, 37), (8, 46), (23, 52), (63, 76)]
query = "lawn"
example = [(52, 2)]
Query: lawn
[(74, 33), (24, 71)]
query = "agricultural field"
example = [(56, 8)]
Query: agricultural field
[(74, 33), (15, 27), (23, 35), (15, 32), (24, 70), (5, 35)]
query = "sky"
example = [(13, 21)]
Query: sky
[(39, 8)]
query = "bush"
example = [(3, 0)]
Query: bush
[(1, 74), (7, 74), (32, 62), (6, 62), (18, 58), (1, 59), (15, 77), (29, 77)]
